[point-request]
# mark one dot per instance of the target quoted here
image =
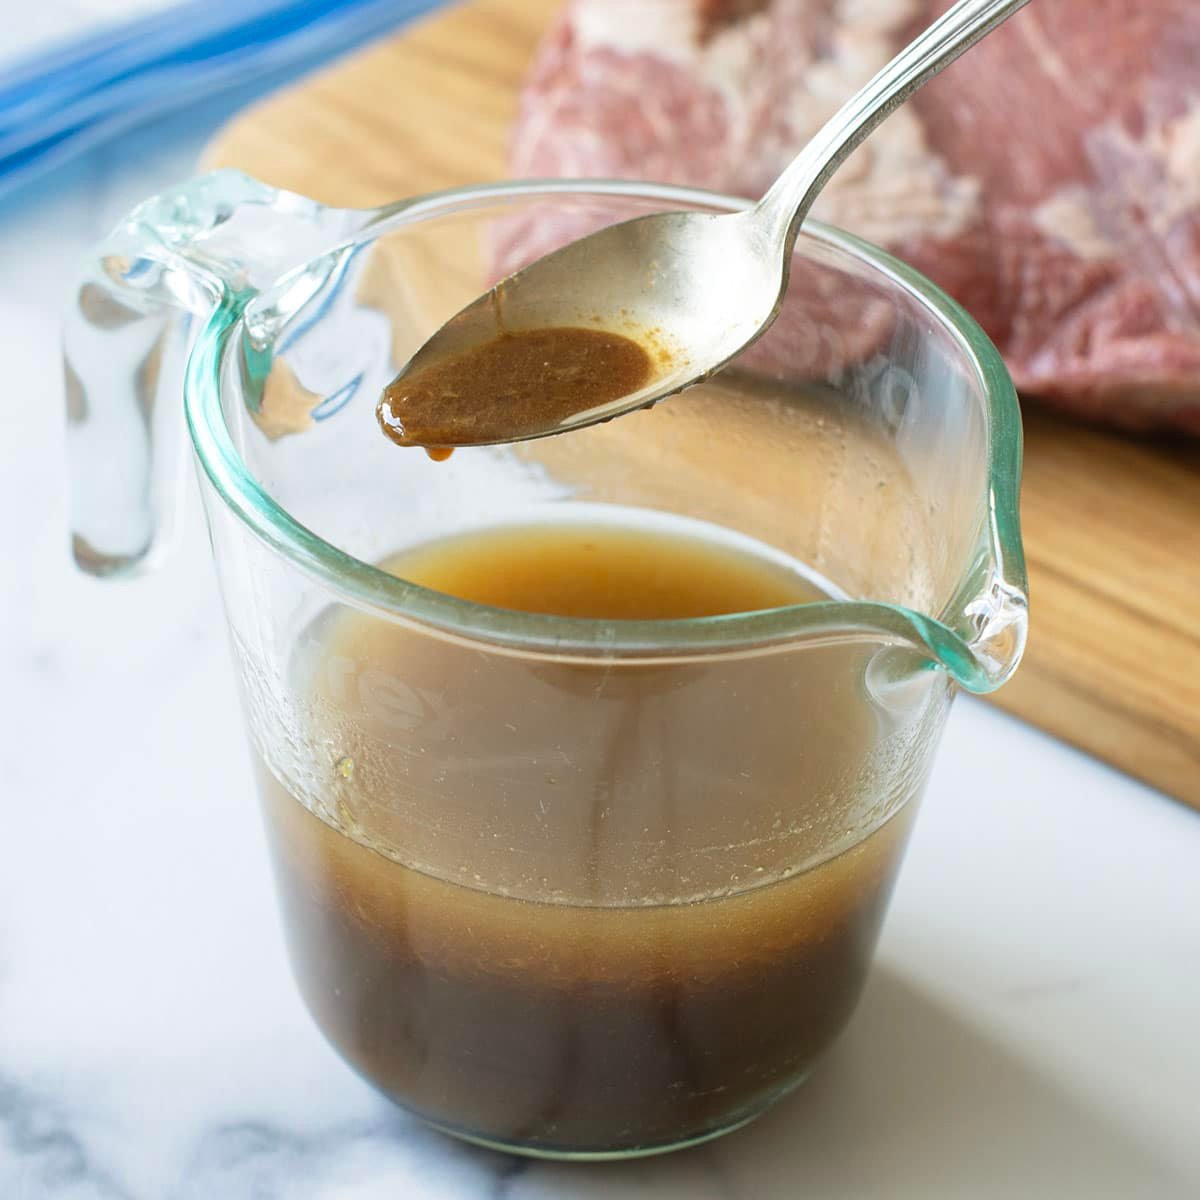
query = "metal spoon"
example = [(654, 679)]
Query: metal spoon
[(708, 284)]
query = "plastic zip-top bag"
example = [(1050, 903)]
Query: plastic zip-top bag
[(89, 72)]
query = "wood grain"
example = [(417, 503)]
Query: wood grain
[(1112, 526)]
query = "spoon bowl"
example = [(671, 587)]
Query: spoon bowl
[(687, 286)]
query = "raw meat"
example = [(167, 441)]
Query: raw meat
[(1050, 180)]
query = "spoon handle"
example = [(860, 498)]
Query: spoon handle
[(789, 198)]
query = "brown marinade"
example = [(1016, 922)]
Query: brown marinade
[(513, 385)]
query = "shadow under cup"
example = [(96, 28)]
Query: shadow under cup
[(593, 888)]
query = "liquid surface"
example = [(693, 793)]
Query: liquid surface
[(515, 384), (598, 571), (480, 990)]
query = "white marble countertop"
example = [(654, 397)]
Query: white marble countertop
[(1029, 1030)]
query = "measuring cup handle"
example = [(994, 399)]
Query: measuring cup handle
[(135, 311)]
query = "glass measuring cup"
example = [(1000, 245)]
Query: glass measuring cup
[(572, 887)]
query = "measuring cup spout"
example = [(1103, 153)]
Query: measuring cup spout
[(979, 637)]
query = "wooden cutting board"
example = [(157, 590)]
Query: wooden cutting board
[(1112, 525)]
